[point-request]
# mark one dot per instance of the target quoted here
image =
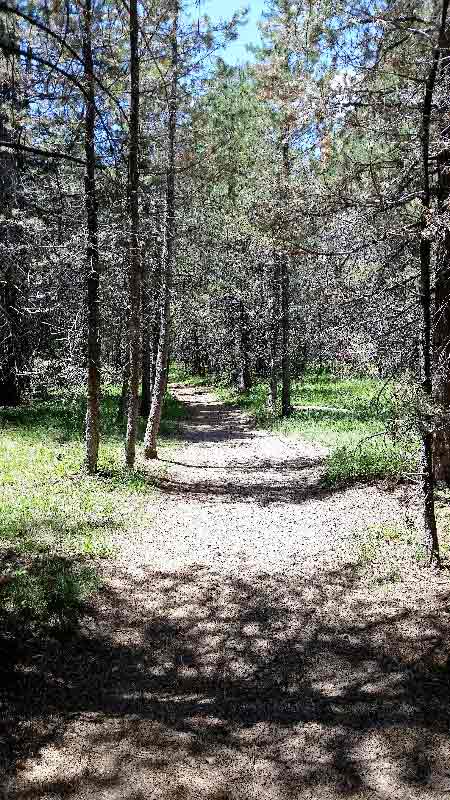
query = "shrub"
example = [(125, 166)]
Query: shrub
[(51, 589), (367, 462)]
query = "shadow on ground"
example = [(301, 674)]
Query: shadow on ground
[(214, 423), (263, 481), (194, 685)]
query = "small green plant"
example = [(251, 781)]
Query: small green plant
[(393, 576), (384, 547), (347, 465), (368, 551), (173, 412), (178, 374), (52, 589), (420, 553)]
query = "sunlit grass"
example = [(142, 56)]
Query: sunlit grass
[(53, 516)]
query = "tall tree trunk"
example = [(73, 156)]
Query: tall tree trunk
[(93, 277), (154, 419), (156, 333), (427, 477), (441, 342), (123, 399), (152, 321), (10, 345), (196, 365), (430, 529), (134, 275), (144, 407), (13, 345), (285, 311), (245, 377), (274, 330)]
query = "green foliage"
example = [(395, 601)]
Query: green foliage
[(442, 509), (172, 413), (378, 535), (389, 549), (253, 401), (178, 374), (367, 462), (54, 519), (52, 589)]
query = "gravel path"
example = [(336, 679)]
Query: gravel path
[(237, 650), (235, 498)]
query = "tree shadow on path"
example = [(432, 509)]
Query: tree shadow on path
[(198, 685)]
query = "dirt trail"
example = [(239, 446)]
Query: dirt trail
[(237, 652), (235, 498)]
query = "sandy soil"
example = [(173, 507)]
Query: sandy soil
[(238, 651)]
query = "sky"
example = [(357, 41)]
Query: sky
[(235, 52)]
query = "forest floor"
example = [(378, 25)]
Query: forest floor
[(258, 635)]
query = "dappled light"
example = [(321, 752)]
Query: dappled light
[(224, 400), (195, 682)]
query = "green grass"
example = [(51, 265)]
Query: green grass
[(390, 550), (349, 416), (387, 551), (177, 374), (369, 462), (55, 520)]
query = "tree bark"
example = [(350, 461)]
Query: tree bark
[(154, 419), (123, 400), (427, 473), (13, 345), (144, 407), (93, 275), (245, 376), (285, 310), (427, 476), (11, 360), (274, 330), (151, 300), (441, 339), (134, 274)]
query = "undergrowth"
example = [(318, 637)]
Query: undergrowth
[(56, 522)]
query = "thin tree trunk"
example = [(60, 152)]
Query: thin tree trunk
[(196, 365), (135, 277), (123, 400), (274, 331), (12, 333), (144, 408), (427, 482), (154, 419), (159, 254), (159, 372), (93, 277), (285, 311), (430, 529), (11, 360), (154, 355), (166, 373), (245, 377), (441, 338)]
